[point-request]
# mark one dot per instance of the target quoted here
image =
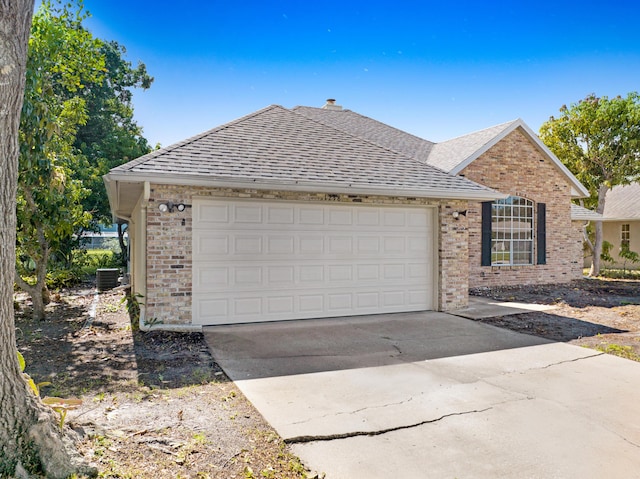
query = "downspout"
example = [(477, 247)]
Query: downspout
[(144, 326)]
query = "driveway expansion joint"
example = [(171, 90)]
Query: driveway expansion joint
[(347, 435)]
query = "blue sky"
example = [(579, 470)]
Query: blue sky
[(435, 69)]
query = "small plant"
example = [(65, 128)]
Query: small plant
[(32, 384), (152, 321), (133, 303), (628, 256), (111, 308), (62, 406), (59, 405)]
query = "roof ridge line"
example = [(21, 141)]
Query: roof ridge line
[(373, 119), (480, 131), (404, 155)]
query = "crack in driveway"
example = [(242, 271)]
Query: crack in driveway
[(347, 435), (595, 355), (356, 411)]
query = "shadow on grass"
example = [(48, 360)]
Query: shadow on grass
[(580, 293), (551, 326), (173, 360), (78, 358)]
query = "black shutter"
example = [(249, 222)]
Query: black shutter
[(486, 234), (541, 234)]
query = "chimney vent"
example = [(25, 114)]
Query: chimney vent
[(331, 105)]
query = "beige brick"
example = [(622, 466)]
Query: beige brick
[(516, 167), (169, 247)]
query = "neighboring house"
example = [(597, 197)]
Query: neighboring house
[(621, 221), (322, 212), (105, 238)]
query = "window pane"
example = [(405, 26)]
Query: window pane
[(512, 231)]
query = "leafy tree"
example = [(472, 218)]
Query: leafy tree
[(30, 441), (62, 58), (598, 139), (110, 136)]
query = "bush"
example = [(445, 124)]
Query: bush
[(84, 263), (63, 278), (620, 274)]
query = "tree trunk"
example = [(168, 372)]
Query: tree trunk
[(40, 295), (36, 294), (30, 441), (123, 247), (597, 245)]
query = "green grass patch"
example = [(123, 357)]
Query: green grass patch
[(626, 352)]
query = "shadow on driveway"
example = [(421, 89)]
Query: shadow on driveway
[(251, 351)]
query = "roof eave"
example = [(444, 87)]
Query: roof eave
[(578, 190), (112, 195), (307, 186), (619, 218)]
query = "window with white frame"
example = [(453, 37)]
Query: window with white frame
[(625, 236), (512, 231)]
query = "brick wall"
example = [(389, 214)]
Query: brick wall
[(169, 246), (516, 167)]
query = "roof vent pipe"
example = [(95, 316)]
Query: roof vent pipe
[(331, 105)]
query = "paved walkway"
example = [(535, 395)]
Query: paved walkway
[(431, 395)]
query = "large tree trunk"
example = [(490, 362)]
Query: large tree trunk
[(30, 441), (597, 244)]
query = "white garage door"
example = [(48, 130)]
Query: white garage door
[(267, 261)]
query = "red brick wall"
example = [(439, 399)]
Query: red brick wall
[(516, 167)]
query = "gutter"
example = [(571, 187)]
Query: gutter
[(296, 185)]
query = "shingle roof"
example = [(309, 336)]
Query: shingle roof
[(580, 213), (290, 147), (451, 153), (372, 130), (623, 203)]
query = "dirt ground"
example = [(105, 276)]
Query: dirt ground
[(599, 314), (156, 405)]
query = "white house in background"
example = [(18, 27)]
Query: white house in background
[(621, 220)]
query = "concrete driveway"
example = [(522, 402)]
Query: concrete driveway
[(431, 395)]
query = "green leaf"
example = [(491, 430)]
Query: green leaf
[(21, 361)]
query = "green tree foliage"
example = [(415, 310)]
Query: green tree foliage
[(63, 57), (110, 136), (598, 139)]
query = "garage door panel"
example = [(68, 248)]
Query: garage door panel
[(367, 217), (311, 305), (339, 217), (267, 261), (212, 213), (280, 215), (256, 276), (247, 214), (368, 272), (311, 245), (311, 216), (211, 244), (283, 244)]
